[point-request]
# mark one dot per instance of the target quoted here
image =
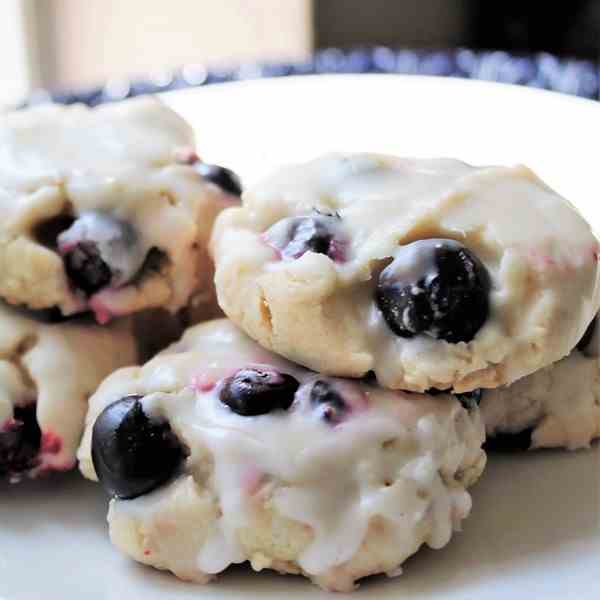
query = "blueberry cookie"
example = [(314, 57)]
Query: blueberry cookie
[(558, 406), (105, 209), (47, 373), (219, 452), (432, 273)]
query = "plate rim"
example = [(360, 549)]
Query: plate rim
[(450, 81)]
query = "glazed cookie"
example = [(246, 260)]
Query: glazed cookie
[(219, 452), (432, 273), (106, 209), (47, 373), (558, 406)]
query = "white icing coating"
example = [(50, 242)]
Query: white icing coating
[(541, 255), (399, 459), (57, 366), (120, 161)]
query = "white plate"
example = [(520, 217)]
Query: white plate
[(535, 528)]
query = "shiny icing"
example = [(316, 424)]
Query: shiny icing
[(57, 367), (121, 161), (398, 456)]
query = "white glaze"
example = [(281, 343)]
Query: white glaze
[(121, 160), (333, 480), (57, 366)]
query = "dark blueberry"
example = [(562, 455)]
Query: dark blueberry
[(47, 232), (326, 397), (86, 269), (133, 453), (471, 399), (308, 235), (370, 377), (255, 391), (222, 177), (53, 315), (436, 392), (584, 342), (434, 287), (508, 442), (99, 250), (295, 236), (20, 441)]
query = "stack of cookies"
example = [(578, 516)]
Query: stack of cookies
[(383, 313), (108, 213)]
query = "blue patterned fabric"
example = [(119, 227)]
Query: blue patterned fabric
[(578, 77)]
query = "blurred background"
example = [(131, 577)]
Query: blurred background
[(73, 44)]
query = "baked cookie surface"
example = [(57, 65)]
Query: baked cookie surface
[(219, 452), (558, 406), (432, 273), (106, 209)]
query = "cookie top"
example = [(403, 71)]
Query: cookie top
[(431, 273), (246, 429), (47, 373), (105, 209)]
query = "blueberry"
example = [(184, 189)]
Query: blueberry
[(434, 287), (471, 399), (258, 391), (20, 441), (326, 397), (508, 442), (222, 177), (47, 232), (296, 236), (308, 235), (86, 269), (132, 452), (585, 340), (100, 250), (370, 378)]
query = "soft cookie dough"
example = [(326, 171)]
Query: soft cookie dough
[(106, 209), (299, 267), (47, 373), (336, 479), (558, 406)]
